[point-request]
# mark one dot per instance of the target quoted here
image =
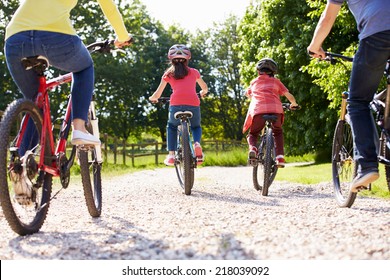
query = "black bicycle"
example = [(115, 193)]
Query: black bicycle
[(344, 167), (185, 159), (264, 165)]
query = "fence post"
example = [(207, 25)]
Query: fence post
[(132, 155), (156, 152), (124, 151), (115, 148), (105, 148), (216, 146)]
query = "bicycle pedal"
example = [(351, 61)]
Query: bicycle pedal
[(253, 162), (85, 147), (23, 200), (383, 160), (362, 188)]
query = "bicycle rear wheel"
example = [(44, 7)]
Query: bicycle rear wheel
[(184, 161), (265, 171), (90, 169), (269, 163), (344, 168), (25, 189)]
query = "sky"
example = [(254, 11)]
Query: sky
[(195, 14)]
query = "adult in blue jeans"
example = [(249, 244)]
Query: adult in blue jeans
[(43, 27), (373, 23)]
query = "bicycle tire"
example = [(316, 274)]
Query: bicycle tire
[(269, 169), (265, 171), (258, 169), (23, 218), (184, 165), (91, 168), (386, 154), (344, 168)]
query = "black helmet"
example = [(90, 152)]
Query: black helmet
[(267, 65)]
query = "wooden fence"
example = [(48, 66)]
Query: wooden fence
[(130, 151), (121, 152)]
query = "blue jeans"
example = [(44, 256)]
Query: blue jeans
[(173, 123), (64, 52), (367, 72)]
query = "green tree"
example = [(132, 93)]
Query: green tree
[(223, 112), (158, 114), (282, 29), (334, 79), (8, 87)]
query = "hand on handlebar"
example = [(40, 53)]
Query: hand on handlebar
[(202, 93), (320, 53), (128, 42), (153, 99), (294, 107)]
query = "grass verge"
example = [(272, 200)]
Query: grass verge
[(310, 173)]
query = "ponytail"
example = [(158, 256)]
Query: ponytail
[(178, 69)]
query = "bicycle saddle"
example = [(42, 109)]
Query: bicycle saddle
[(39, 63), (183, 114), (271, 118)]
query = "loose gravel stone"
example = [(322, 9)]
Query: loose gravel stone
[(147, 216)]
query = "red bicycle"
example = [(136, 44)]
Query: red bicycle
[(28, 150)]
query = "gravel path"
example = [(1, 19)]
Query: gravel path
[(146, 216)]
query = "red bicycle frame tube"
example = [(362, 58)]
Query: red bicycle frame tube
[(43, 103)]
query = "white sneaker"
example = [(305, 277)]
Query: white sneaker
[(81, 138), (362, 181)]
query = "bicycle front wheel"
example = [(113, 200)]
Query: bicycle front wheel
[(385, 152), (90, 169), (184, 161), (344, 168), (25, 189)]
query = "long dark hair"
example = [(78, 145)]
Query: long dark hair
[(178, 69)]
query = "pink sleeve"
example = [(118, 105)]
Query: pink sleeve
[(196, 73), (282, 88), (249, 91), (165, 77)]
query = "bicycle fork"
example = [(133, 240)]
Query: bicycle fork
[(95, 131)]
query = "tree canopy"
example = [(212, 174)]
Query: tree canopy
[(225, 55)]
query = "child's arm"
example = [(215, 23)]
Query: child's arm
[(156, 95), (291, 98), (248, 93), (203, 86)]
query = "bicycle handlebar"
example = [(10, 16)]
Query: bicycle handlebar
[(288, 107), (164, 99), (104, 46), (332, 57)]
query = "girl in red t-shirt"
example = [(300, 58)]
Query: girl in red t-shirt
[(182, 80), (265, 92)]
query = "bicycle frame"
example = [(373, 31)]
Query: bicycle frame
[(43, 102), (190, 141), (268, 125), (185, 159)]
